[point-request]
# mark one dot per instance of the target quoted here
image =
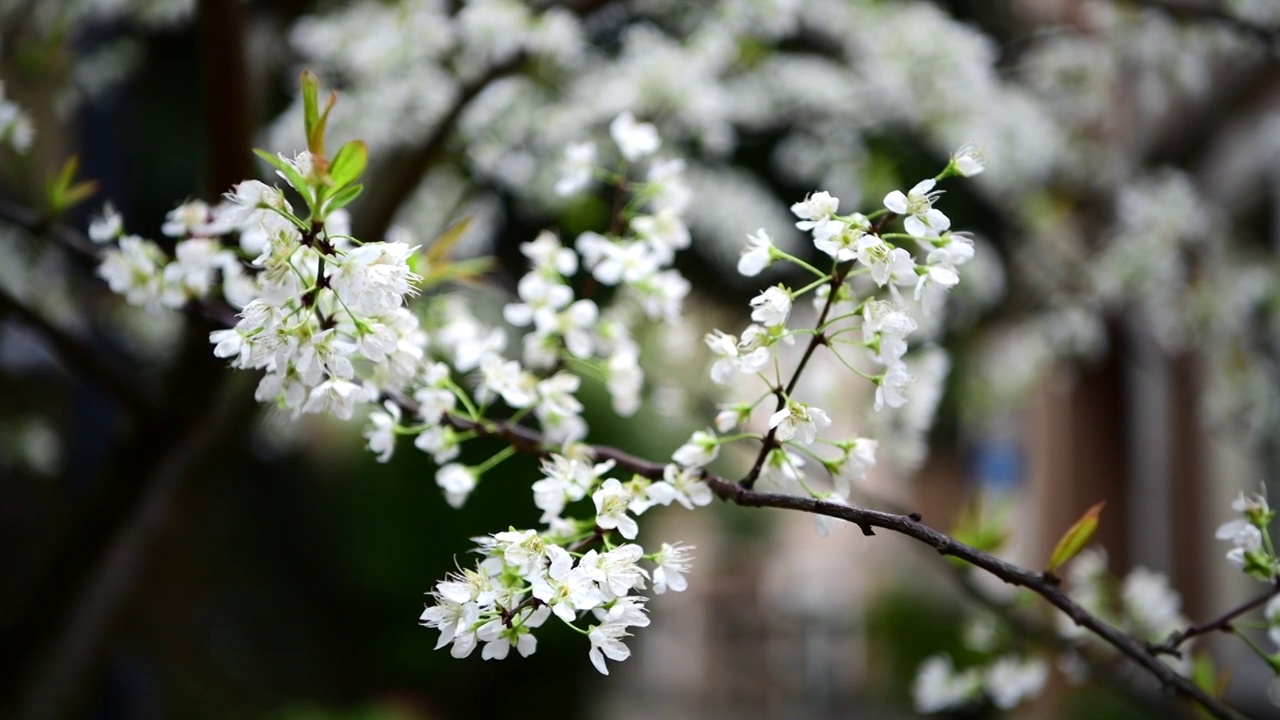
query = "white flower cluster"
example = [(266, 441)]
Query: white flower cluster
[(1007, 681), (325, 304), (16, 129), (321, 313), (874, 319), (1254, 553), (146, 275), (526, 576), (639, 260), (1252, 550), (325, 316), (564, 332)]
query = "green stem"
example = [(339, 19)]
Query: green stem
[(464, 399), (873, 378), (492, 462), (739, 436), (811, 286), (1252, 645), (781, 255)]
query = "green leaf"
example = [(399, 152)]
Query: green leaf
[(344, 197), (439, 249), (63, 193), (1075, 538), (314, 119), (315, 138), (289, 173), (463, 271), (348, 165), (310, 101)]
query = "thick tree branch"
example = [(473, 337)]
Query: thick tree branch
[(198, 414), (227, 117), (56, 680)]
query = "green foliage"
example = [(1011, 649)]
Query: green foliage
[(347, 167), (1076, 537), (314, 119), (290, 174), (63, 192)]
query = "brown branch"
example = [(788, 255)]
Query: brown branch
[(527, 440), (1008, 572), (1221, 623), (412, 165), (819, 338), (224, 79), (409, 169), (58, 677), (75, 353), (76, 242), (1039, 633), (164, 454)]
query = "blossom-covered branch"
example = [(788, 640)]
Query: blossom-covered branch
[(325, 317)]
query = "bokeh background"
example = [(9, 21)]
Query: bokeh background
[(1116, 339)]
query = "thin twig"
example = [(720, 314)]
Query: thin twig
[(527, 440), (35, 223), (818, 338), (1220, 623), (412, 164), (78, 355), (404, 177)]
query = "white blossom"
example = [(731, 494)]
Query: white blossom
[(815, 210), (635, 140), (757, 255), (772, 306), (938, 687), (382, 431), (1010, 680), (700, 450), (612, 502), (921, 219), (800, 421), (683, 485), (579, 163), (673, 563), (457, 481), (968, 160)]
